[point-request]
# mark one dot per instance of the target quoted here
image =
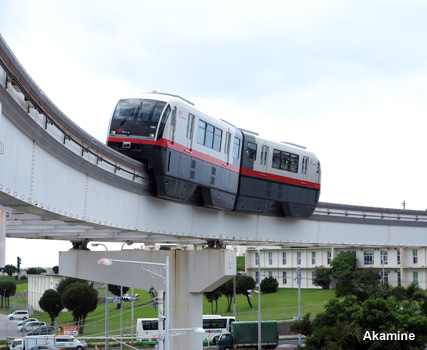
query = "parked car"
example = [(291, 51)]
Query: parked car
[(19, 315), (43, 330), (43, 347), (20, 324), (33, 325)]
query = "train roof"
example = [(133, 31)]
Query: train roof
[(158, 95)]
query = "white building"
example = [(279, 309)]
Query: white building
[(401, 266), (37, 285)]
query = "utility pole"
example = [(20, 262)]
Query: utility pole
[(298, 278), (259, 299)]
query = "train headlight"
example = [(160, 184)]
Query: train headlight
[(113, 132)]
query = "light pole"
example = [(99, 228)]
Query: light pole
[(259, 300), (298, 278), (156, 272), (106, 300), (121, 302)]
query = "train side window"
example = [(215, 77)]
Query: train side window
[(201, 132), (285, 161), (236, 148), (276, 159), (251, 150), (217, 140), (294, 163), (209, 136)]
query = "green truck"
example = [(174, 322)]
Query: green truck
[(244, 335)]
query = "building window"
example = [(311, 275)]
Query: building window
[(313, 258), (256, 258), (256, 277), (329, 257), (385, 279), (399, 279), (284, 277), (384, 257), (415, 256), (368, 257), (270, 258), (284, 258), (270, 273), (398, 257), (415, 275), (298, 258)]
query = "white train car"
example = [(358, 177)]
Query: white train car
[(235, 170)]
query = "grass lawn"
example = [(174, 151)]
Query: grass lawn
[(275, 306)]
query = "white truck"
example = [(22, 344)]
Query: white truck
[(58, 341)]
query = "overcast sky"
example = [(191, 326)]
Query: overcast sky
[(347, 79)]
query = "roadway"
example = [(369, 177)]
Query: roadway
[(8, 328)]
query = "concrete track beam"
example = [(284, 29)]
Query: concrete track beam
[(191, 273), (2, 237)]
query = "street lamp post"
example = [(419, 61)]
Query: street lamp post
[(153, 271), (298, 278), (259, 300), (121, 302), (106, 300)]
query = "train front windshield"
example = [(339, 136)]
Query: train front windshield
[(137, 117)]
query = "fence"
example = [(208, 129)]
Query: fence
[(285, 313)]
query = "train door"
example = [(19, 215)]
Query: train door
[(190, 132), (304, 167), (264, 157), (227, 146)]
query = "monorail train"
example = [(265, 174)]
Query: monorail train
[(235, 169)]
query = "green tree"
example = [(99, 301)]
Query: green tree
[(213, 297), (18, 264), (35, 271), (344, 271), (81, 299), (10, 269), (303, 326), (269, 285), (51, 302), (412, 293), (322, 277), (243, 284), (7, 289), (344, 323), (65, 282), (55, 269), (228, 291)]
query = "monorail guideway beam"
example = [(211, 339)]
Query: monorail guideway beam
[(2, 237), (191, 273)]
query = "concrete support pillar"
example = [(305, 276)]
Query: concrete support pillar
[(2, 237), (190, 274)]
